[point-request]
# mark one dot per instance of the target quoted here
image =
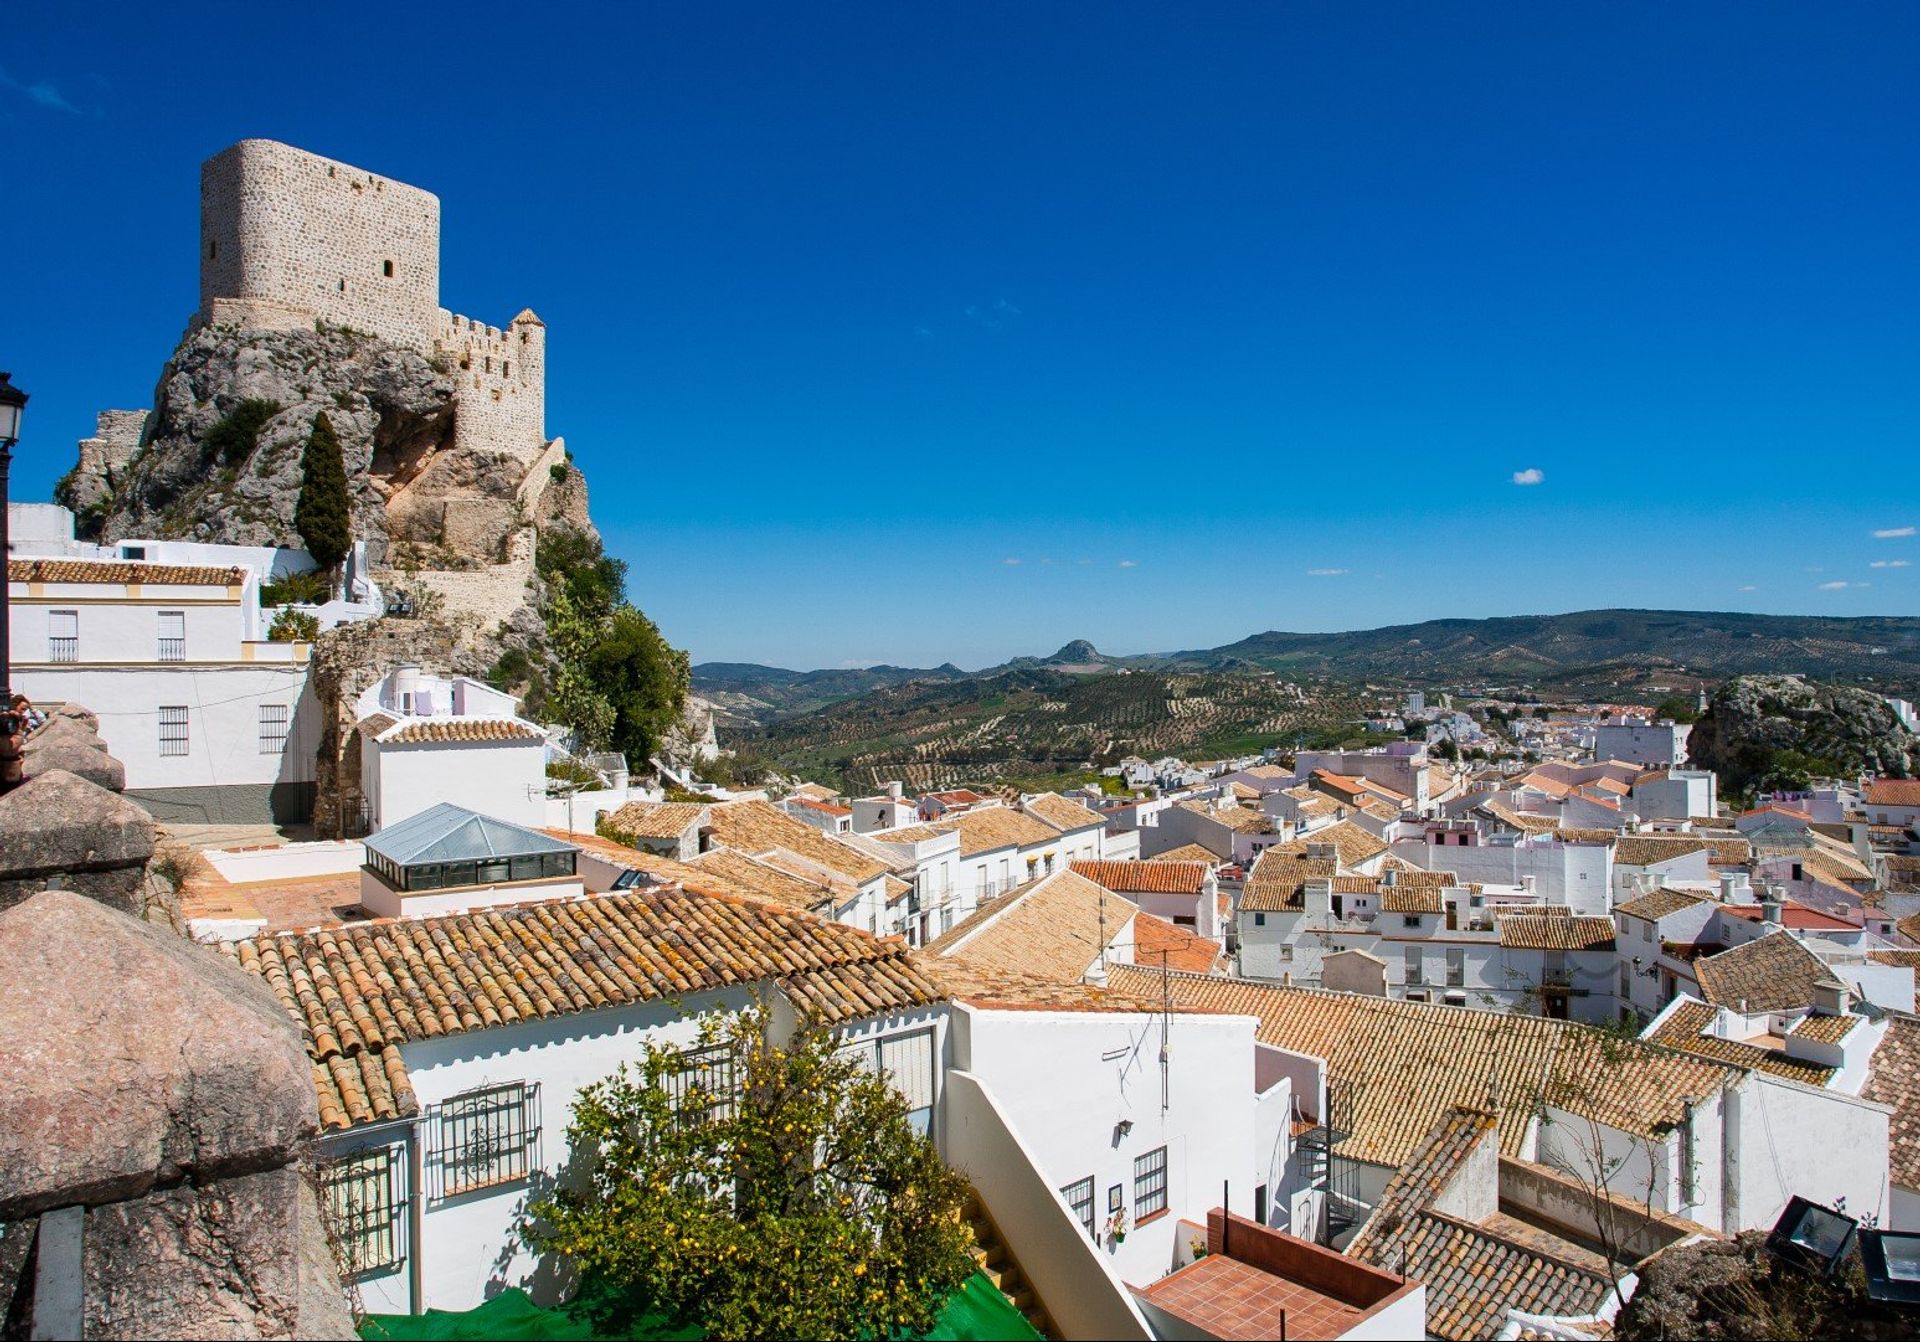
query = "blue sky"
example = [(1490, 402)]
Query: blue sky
[(1214, 318)]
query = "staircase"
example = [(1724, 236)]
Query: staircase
[(994, 1259)]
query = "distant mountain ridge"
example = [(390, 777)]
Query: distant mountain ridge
[(1567, 651)]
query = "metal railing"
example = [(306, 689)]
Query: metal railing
[(173, 649), (63, 649)]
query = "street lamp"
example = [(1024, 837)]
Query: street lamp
[(13, 405)]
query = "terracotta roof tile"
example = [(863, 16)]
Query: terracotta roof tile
[(1682, 1029), (421, 731), (1190, 852), (123, 571), (1658, 904), (1049, 928), (1239, 819), (1641, 850), (1894, 792), (1063, 813), (360, 992), (656, 820), (1894, 1079), (1351, 843), (1156, 938), (1775, 973), (1277, 883), (1548, 932), (1152, 877), (759, 827), (1409, 1063), (985, 828)]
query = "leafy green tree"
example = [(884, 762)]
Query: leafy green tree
[(798, 1202), (642, 677), (1676, 708), (232, 440), (324, 513), (1446, 750), (293, 626)]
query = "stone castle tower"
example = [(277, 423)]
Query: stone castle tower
[(289, 239)]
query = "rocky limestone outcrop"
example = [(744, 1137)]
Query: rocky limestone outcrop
[(1755, 723), (391, 408), (62, 830)]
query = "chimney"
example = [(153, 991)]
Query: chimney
[(895, 791), (1322, 852), (1771, 908), (1318, 898), (1832, 998)]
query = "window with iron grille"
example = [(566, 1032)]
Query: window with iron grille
[(486, 1137), (173, 729), (1150, 1183), (907, 1061), (63, 635), (705, 1087), (365, 1199), (173, 636), (273, 729), (1079, 1196)]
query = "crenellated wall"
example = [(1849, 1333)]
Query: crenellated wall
[(501, 377)]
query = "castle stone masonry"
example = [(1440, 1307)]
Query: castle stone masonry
[(288, 239)]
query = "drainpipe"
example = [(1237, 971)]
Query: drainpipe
[(416, 1219)]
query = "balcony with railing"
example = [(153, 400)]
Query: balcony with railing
[(173, 649), (63, 649)]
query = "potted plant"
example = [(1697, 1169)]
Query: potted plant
[(1117, 1226)]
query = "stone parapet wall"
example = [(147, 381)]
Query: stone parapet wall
[(501, 382), (285, 232)]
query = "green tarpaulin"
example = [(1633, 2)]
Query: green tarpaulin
[(977, 1312)]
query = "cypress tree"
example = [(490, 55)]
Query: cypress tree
[(324, 514)]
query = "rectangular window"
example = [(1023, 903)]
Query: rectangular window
[(1456, 968), (173, 636), (1414, 971), (1456, 999), (364, 1198), (1149, 1184), (486, 1137), (63, 635), (273, 729), (1410, 920), (1079, 1196), (907, 1061), (705, 1087), (1259, 920), (173, 730)]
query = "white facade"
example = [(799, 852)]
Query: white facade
[(1638, 741), (1578, 875), (469, 1244), (211, 721)]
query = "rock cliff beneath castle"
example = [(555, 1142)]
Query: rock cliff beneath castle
[(1777, 731)]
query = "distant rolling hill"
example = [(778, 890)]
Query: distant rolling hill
[(1595, 650)]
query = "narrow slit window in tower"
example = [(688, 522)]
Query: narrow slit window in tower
[(386, 268)]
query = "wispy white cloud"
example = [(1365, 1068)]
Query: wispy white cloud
[(41, 93), (1892, 563), (1749, 588), (993, 315), (1892, 533), (1010, 559), (924, 332), (1326, 572), (1129, 563), (1533, 475), (1842, 586)]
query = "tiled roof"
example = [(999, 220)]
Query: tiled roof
[(1903, 959), (1423, 1178), (1775, 973), (909, 833), (1353, 844), (1544, 932), (1239, 819), (1894, 1079), (825, 808), (1682, 1029), (815, 792), (759, 827), (122, 571), (376, 722), (1642, 850), (1063, 813), (1156, 938), (1049, 928), (1277, 881), (1657, 904), (360, 992), (1521, 820), (1411, 1062), (1190, 852), (655, 819), (1153, 877), (1577, 835), (722, 871), (424, 731), (1411, 899), (1894, 792), (1473, 1273), (1909, 927), (1825, 1029), (1903, 871), (1729, 850), (988, 827)]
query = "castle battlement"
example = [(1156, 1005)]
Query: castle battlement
[(289, 239)]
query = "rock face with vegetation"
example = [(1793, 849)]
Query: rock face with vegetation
[(1764, 732)]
